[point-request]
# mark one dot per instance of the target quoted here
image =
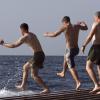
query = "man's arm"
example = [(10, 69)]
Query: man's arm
[(89, 37), (82, 26), (16, 44), (54, 34)]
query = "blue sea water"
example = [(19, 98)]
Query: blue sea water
[(11, 74)]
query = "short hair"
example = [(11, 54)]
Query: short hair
[(24, 26), (66, 19), (97, 14)]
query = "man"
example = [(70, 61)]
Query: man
[(94, 53), (72, 49), (34, 63)]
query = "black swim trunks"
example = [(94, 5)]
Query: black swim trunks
[(94, 54), (37, 60), (70, 55)]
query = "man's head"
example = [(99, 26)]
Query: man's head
[(66, 20), (24, 28), (97, 16)]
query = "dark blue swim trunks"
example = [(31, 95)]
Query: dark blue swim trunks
[(37, 60), (70, 55)]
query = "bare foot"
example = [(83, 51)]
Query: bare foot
[(19, 87), (45, 91), (78, 86), (96, 89), (61, 74), (98, 93)]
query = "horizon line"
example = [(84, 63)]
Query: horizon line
[(33, 55)]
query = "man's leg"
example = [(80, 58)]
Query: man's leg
[(26, 68), (98, 69), (38, 79), (65, 67), (89, 69), (75, 77), (73, 71)]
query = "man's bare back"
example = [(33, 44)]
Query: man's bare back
[(96, 37), (28, 38), (72, 34), (33, 42)]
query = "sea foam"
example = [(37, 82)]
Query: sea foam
[(8, 93)]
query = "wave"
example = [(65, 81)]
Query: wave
[(9, 93)]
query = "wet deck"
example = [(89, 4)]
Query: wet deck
[(62, 95)]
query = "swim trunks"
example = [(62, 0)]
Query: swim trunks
[(94, 54), (37, 60), (70, 55)]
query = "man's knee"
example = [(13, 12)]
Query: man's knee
[(34, 73), (71, 62), (34, 76), (89, 65), (26, 67)]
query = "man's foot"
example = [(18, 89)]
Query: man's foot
[(98, 93), (19, 87), (78, 86), (61, 74), (96, 89), (45, 91)]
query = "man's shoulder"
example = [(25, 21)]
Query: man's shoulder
[(76, 26), (63, 28), (98, 25), (23, 37), (95, 25), (31, 33), (28, 34)]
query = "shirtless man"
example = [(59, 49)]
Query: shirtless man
[(72, 49), (94, 53), (36, 62)]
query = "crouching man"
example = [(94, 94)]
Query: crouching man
[(36, 62)]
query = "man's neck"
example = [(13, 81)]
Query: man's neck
[(26, 32), (69, 24)]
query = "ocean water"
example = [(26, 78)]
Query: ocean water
[(11, 74)]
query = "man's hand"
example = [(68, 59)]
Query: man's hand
[(1, 41), (83, 49), (82, 23)]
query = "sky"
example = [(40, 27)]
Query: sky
[(43, 16)]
